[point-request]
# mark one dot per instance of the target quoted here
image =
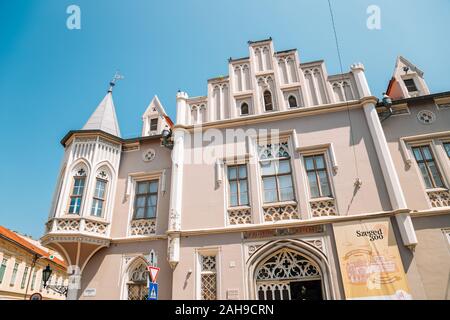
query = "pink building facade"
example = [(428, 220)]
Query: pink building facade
[(243, 196)]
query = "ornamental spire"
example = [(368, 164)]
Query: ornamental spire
[(112, 83)]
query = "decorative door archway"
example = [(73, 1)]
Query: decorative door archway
[(289, 270)]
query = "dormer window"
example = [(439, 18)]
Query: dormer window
[(292, 102), (410, 85), (244, 109), (268, 105), (153, 124)]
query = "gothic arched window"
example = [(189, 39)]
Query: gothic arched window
[(292, 102), (137, 282), (99, 197), (244, 109), (268, 105), (76, 195)]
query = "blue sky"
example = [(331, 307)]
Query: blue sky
[(52, 78)]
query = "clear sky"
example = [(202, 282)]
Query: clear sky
[(52, 78)]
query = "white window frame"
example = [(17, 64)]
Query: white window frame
[(138, 177)]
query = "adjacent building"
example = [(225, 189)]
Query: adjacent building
[(22, 261), (283, 182)]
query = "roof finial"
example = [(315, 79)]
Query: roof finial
[(112, 83)]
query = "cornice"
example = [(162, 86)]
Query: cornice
[(283, 224), (282, 115)]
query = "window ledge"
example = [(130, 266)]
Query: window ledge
[(321, 199), (436, 190), (238, 208), (276, 204)]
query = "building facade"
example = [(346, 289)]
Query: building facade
[(249, 194), (22, 262)]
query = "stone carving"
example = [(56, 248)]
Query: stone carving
[(143, 227), (149, 155), (281, 212), (68, 225), (239, 216), (426, 116), (321, 208), (439, 198), (96, 227)]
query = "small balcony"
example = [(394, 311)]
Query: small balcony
[(77, 224)]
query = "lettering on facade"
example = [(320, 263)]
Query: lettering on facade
[(282, 232), (371, 234)]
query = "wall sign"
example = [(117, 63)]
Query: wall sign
[(371, 267), (258, 234), (90, 292)]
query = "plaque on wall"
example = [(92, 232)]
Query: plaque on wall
[(268, 233)]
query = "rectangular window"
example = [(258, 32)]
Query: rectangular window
[(146, 199), (154, 124), (428, 168), (237, 180), (77, 195), (14, 274), (33, 279), (410, 85), (316, 170), (208, 277), (99, 198), (24, 278), (276, 172), (447, 148), (277, 180), (3, 269)]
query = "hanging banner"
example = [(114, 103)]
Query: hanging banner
[(370, 262)]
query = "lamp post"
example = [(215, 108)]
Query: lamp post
[(166, 140), (46, 273)]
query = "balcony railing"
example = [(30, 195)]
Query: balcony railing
[(77, 225)]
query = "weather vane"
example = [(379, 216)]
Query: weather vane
[(112, 83)]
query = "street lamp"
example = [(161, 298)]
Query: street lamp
[(46, 273), (166, 140)]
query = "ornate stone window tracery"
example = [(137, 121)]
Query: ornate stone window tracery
[(137, 282), (208, 277), (275, 274)]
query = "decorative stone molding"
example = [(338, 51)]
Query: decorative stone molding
[(96, 227), (77, 225), (273, 213), (68, 225), (239, 216), (149, 155), (439, 198), (426, 116), (323, 207), (143, 227)]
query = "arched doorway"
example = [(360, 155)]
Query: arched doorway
[(289, 270), (136, 285)]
